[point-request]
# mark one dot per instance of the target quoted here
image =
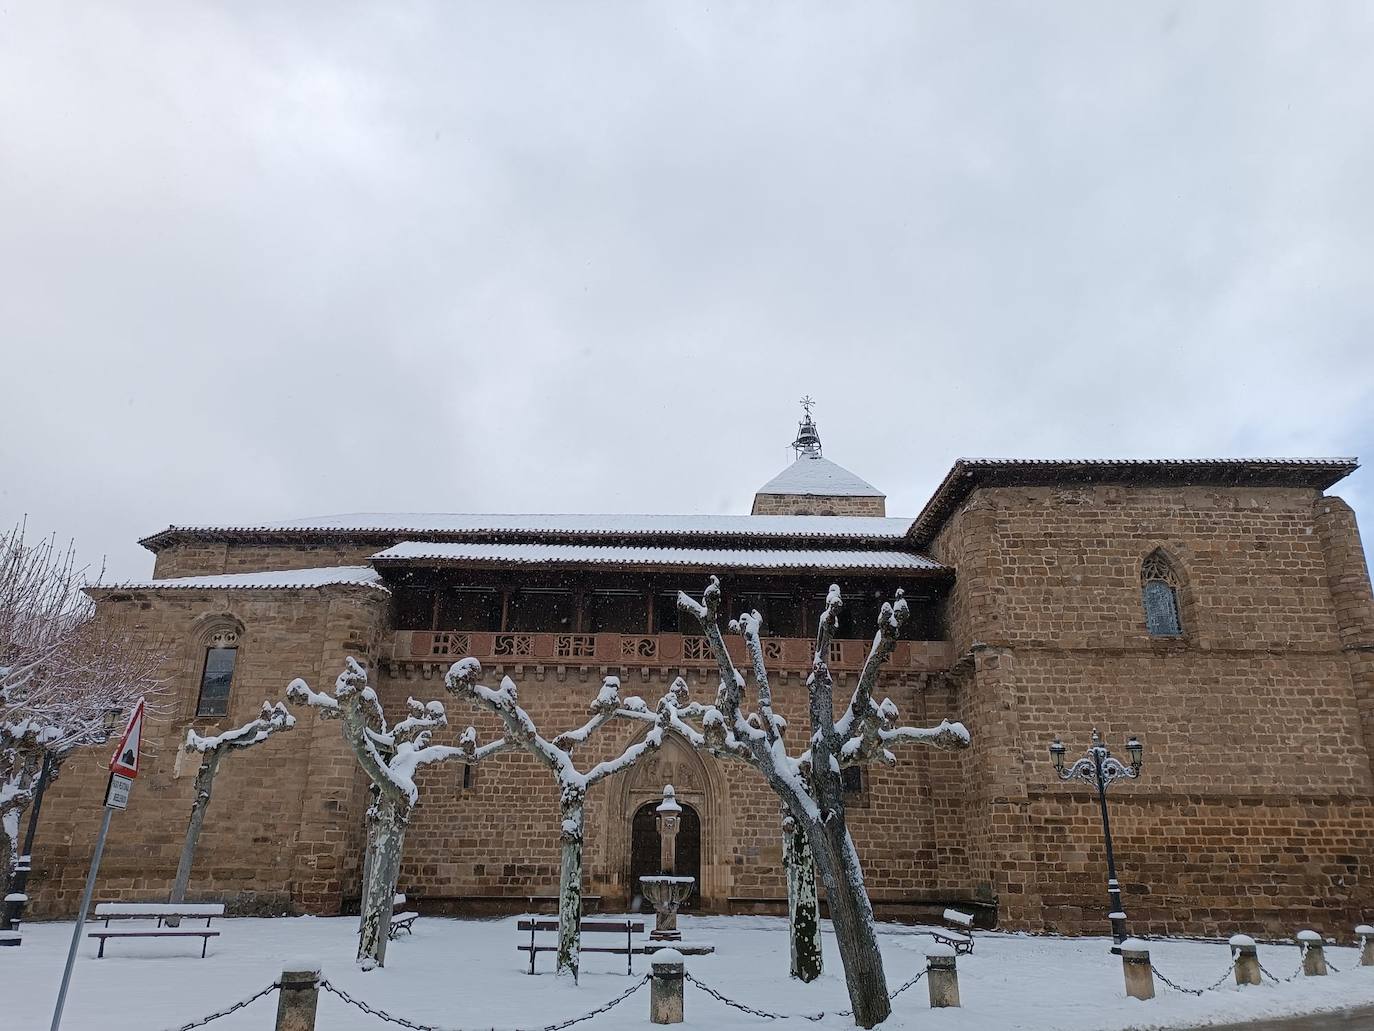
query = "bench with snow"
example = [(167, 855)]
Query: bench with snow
[(400, 920), (628, 928), (162, 912), (960, 934)]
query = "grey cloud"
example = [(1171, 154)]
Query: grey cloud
[(261, 261)]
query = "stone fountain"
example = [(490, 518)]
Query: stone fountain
[(667, 891)]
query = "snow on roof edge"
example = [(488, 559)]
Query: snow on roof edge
[(575, 524), (275, 579), (582, 554)]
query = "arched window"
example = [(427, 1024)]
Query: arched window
[(1159, 592), (217, 673)]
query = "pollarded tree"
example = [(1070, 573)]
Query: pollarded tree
[(271, 720), (556, 756), (809, 784), (390, 755)]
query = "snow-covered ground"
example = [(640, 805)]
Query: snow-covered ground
[(467, 974)]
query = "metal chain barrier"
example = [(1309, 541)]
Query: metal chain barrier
[(1281, 980), (603, 1008), (1332, 967), (391, 1018), (900, 990), (1195, 991), (752, 1011), (232, 1009)]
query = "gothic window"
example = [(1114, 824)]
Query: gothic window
[(217, 674), (1159, 593)]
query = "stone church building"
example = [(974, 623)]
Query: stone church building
[(1218, 609)]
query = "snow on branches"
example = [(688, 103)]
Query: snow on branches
[(390, 755), (66, 676), (809, 784), (556, 755), (271, 719)]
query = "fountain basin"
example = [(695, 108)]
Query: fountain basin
[(666, 892)]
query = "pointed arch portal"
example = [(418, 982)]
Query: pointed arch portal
[(645, 854)]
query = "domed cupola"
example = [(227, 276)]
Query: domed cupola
[(814, 485)]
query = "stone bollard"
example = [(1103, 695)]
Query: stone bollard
[(942, 979), (298, 998), (1313, 954), (1366, 935), (1246, 955), (1135, 964), (665, 987)]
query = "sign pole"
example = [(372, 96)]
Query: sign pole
[(81, 918), (123, 770)]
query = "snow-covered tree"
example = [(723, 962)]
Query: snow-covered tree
[(390, 755), (271, 720), (809, 784), (556, 756), (67, 676)]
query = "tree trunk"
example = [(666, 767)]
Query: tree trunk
[(803, 909), (371, 824), (570, 887), (852, 915), (19, 884), (380, 890), (205, 782), (9, 846)]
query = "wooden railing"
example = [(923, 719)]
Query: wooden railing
[(791, 653)]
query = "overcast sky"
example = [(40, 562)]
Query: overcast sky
[(261, 261)]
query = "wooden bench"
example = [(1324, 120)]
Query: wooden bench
[(400, 921), (162, 912), (166, 932), (628, 928), (960, 933)]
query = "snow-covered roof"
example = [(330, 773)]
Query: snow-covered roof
[(325, 576), (587, 526), (704, 558), (813, 475)]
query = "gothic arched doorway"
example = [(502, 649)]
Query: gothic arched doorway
[(645, 853)]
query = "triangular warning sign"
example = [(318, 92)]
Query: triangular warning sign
[(125, 759)]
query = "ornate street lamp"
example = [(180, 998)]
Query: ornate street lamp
[(1099, 768)]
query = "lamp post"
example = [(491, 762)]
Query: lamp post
[(1099, 768)]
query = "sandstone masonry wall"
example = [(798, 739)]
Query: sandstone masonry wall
[(812, 504), (283, 827), (209, 558), (1257, 799)]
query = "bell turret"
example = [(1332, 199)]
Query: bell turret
[(813, 485), (808, 440)]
